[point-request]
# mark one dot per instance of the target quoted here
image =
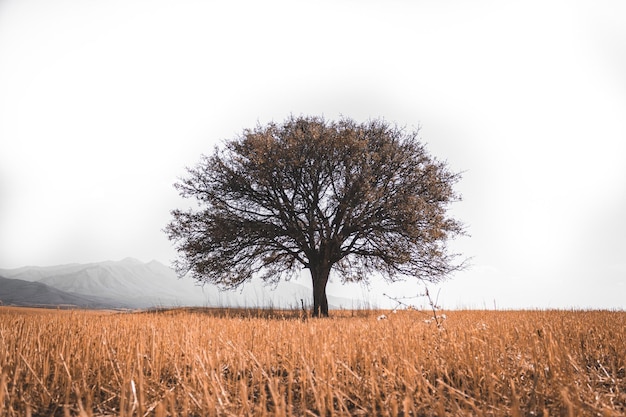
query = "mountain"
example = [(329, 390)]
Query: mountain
[(24, 293), (135, 284)]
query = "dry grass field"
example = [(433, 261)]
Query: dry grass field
[(207, 362)]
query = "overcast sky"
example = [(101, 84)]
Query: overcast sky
[(104, 103)]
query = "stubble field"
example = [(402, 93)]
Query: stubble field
[(213, 362)]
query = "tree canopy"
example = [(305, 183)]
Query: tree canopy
[(328, 196)]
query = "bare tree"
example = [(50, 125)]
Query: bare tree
[(341, 196)]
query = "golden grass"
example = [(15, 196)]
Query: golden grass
[(196, 362)]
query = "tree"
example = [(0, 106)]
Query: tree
[(341, 196)]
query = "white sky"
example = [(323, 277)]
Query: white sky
[(103, 104)]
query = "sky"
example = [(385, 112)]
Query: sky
[(104, 103)]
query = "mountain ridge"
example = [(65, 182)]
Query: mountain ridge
[(18, 292), (135, 284)]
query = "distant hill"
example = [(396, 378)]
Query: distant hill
[(134, 284), (18, 292)]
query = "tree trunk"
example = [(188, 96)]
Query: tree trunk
[(319, 275)]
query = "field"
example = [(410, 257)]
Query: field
[(220, 362)]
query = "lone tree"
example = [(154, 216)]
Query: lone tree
[(308, 193)]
